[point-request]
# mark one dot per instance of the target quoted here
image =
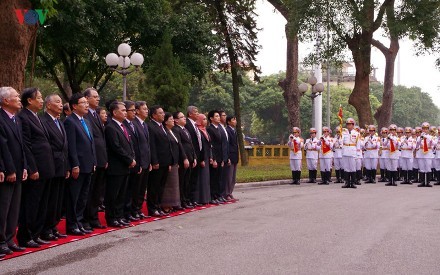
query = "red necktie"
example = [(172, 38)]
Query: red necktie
[(125, 132)]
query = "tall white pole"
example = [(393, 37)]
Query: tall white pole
[(317, 110)]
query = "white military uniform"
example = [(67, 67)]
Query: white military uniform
[(383, 157), (407, 145), (337, 152), (371, 154), (424, 148), (311, 147), (350, 144), (325, 153), (296, 144), (392, 144)]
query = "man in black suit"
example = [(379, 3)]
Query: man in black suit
[(41, 166), (58, 141), (187, 166), (161, 159), (219, 157), (225, 149), (145, 158), (135, 172), (97, 184), (14, 160), (233, 156), (120, 160), (196, 139), (82, 159)]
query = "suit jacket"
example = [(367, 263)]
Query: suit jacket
[(225, 144), (216, 142), (99, 139), (38, 151), (13, 155), (134, 138), (119, 149), (194, 140), (81, 147), (176, 148), (58, 142), (144, 143), (233, 145), (159, 145), (186, 143)]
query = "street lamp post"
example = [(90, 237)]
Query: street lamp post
[(124, 61), (317, 89)]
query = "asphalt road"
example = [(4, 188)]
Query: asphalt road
[(307, 229)]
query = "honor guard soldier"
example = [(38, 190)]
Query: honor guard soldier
[(433, 132), (407, 145), (337, 155), (424, 146), (383, 155), (325, 155), (437, 158), (311, 147), (350, 145), (392, 143), (359, 155), (371, 154), (295, 143), (417, 154), (400, 135)]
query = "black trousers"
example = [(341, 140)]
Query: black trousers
[(215, 180), (184, 183), (156, 185), (77, 194), (194, 183), (139, 194), (96, 195), (10, 197), (131, 193), (115, 197), (34, 205), (55, 204)]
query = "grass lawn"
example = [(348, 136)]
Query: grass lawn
[(267, 169)]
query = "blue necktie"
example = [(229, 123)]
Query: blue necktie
[(86, 128)]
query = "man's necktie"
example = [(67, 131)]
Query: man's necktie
[(58, 124), (86, 128), (144, 126), (13, 120), (199, 137), (186, 132), (163, 129), (125, 132), (132, 126)]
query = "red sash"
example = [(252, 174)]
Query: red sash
[(295, 146), (392, 147), (425, 146), (325, 148)]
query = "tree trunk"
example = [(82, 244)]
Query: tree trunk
[(15, 44), (235, 79), (385, 111), (290, 83), (360, 47)]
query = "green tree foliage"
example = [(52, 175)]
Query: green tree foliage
[(167, 81)]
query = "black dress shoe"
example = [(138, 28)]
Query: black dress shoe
[(178, 208), (40, 241), (195, 204), (162, 213), (59, 235), (143, 216), (137, 216), (5, 250), (75, 232), (131, 219), (31, 244), (156, 214), (214, 202), (114, 224), (15, 248), (2, 256), (124, 222), (86, 231), (49, 237), (98, 226), (186, 206)]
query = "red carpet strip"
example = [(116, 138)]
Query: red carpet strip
[(69, 239)]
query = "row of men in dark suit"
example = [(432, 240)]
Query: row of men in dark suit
[(39, 153)]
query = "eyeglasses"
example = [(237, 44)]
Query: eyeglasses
[(372, 130), (408, 132), (325, 131), (131, 110), (84, 102), (296, 132)]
